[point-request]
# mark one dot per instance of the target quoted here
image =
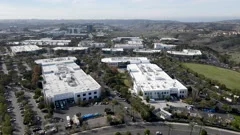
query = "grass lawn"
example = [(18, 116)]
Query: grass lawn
[(228, 77)]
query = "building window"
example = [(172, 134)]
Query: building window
[(145, 93), (84, 94), (95, 97), (89, 93), (78, 95), (84, 99), (90, 98), (95, 92)]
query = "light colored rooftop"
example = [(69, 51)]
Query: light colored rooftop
[(161, 46), (125, 59), (25, 48), (128, 45), (64, 76), (150, 77), (52, 61), (113, 49), (170, 39), (70, 48), (186, 52), (146, 51), (90, 43), (48, 40)]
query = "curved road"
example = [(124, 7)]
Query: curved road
[(176, 129)]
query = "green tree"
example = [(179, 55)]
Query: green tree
[(147, 99), (203, 132), (140, 93), (146, 132), (117, 133), (226, 107), (27, 131), (128, 133)]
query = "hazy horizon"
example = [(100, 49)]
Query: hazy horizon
[(177, 10)]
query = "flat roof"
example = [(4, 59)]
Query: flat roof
[(64, 77), (127, 45), (113, 49), (186, 52), (150, 77), (146, 51), (70, 48), (51, 61), (25, 48), (173, 39), (48, 40), (125, 59), (90, 43)]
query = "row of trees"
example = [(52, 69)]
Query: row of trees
[(5, 118)]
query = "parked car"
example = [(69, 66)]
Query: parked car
[(158, 133), (35, 129)]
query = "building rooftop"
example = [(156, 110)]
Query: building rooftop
[(47, 41), (25, 48), (150, 77), (169, 39), (131, 38), (113, 49), (70, 48), (146, 51), (64, 76), (186, 52), (90, 43), (125, 59), (128, 45)]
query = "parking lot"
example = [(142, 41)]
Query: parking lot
[(162, 104), (60, 115)]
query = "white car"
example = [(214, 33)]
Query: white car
[(158, 133)]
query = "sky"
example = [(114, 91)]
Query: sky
[(180, 10)]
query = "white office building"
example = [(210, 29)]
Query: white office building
[(186, 52), (24, 49), (169, 39), (127, 38), (65, 83), (153, 82), (91, 44), (71, 49), (146, 51), (119, 61), (46, 41), (112, 50), (129, 46), (163, 46)]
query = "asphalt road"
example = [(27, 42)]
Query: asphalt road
[(177, 129)]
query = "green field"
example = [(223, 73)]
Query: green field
[(228, 77)]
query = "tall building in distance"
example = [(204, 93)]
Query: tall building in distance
[(89, 28)]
